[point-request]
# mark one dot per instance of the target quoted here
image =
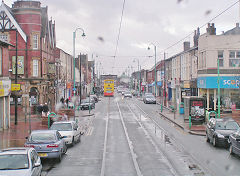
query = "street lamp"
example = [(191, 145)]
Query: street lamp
[(74, 37), (155, 54), (139, 76)]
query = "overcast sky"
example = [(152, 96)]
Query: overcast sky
[(162, 22)]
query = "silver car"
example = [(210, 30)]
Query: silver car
[(19, 162), (47, 143)]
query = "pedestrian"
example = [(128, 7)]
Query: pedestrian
[(67, 101), (62, 100)]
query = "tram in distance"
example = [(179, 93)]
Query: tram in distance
[(108, 88)]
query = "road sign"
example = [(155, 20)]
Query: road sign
[(74, 89), (15, 87)]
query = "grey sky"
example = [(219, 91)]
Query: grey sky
[(162, 22)]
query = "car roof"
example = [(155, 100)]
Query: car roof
[(63, 122), (44, 131), (17, 150), (224, 119)]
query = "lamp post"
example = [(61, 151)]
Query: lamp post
[(138, 78), (74, 37), (218, 82), (155, 77)]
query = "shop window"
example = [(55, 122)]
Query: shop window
[(34, 95), (1, 60), (35, 68), (35, 41), (12, 100)]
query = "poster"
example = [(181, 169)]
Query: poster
[(20, 63)]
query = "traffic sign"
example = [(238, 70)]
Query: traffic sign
[(15, 87), (74, 89)]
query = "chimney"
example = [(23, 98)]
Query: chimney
[(196, 37), (186, 46), (237, 25), (211, 30)]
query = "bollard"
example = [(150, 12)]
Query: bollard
[(161, 107), (190, 122), (52, 113)]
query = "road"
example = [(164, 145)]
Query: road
[(127, 137)]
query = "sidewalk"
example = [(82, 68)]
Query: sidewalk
[(178, 120), (15, 136)]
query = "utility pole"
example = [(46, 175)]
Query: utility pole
[(165, 100), (155, 54), (16, 75), (80, 72), (218, 82)]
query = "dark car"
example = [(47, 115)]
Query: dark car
[(86, 104), (149, 98), (234, 143), (219, 130)]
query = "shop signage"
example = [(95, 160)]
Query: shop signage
[(226, 82), (5, 87), (69, 85), (20, 64), (15, 87)]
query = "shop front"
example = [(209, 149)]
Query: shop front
[(5, 89), (229, 91)]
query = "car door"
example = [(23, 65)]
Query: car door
[(212, 128), (37, 170), (60, 141), (236, 141)]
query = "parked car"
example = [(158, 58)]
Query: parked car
[(69, 130), (234, 143), (94, 97), (149, 98), (19, 162), (127, 94), (86, 104), (47, 143), (219, 130)]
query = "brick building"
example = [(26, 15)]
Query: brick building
[(26, 25)]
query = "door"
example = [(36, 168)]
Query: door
[(1, 112)]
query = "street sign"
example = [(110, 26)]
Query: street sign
[(74, 89), (15, 87)]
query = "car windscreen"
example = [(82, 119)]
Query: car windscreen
[(150, 96), (85, 101), (14, 162), (40, 137), (61, 127), (229, 125)]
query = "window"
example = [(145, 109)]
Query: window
[(35, 41), (1, 60), (220, 58), (4, 37), (35, 68), (234, 58)]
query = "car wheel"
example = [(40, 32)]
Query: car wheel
[(65, 149), (207, 138), (72, 144), (231, 149), (215, 141), (59, 159)]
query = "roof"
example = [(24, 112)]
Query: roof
[(234, 31), (19, 150), (6, 9)]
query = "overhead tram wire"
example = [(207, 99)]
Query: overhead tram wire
[(238, 1), (119, 31)]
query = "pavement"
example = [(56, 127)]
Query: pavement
[(16, 135)]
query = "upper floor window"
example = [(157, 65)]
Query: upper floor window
[(234, 58), (220, 58), (35, 68), (4, 37), (35, 41)]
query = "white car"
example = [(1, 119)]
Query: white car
[(20, 161), (69, 130)]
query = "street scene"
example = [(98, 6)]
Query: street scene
[(125, 88)]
